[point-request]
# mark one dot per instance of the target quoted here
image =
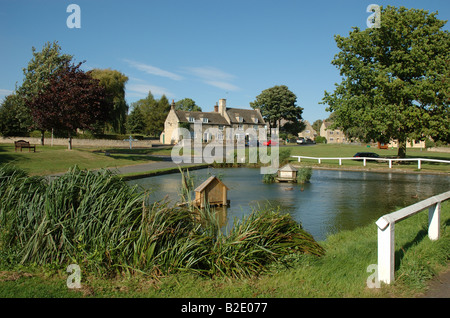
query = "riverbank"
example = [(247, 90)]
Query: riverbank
[(341, 273)]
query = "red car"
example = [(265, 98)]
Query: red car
[(269, 143)]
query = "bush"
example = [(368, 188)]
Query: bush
[(320, 140), (304, 174)]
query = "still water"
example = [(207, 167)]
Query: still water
[(331, 202)]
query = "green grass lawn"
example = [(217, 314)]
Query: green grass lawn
[(57, 159), (336, 150), (49, 160)]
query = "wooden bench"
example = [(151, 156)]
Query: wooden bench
[(23, 144)]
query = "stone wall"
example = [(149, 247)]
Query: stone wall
[(81, 142)]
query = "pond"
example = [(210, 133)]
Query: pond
[(333, 200)]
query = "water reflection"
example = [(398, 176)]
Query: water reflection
[(331, 202)]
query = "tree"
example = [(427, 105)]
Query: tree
[(71, 100), (278, 103), (38, 72), (159, 115), (114, 83), (154, 113), (135, 122), (187, 104), (316, 125), (15, 118), (395, 81)]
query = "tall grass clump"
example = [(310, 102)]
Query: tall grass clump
[(253, 243), (96, 220), (304, 174)]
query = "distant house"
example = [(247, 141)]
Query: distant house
[(308, 132), (221, 118), (333, 136), (409, 144)]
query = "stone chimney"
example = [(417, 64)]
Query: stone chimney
[(216, 108), (222, 106), (173, 105)]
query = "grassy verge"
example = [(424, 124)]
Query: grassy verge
[(50, 160), (331, 150), (341, 272)]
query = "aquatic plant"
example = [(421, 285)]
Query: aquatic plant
[(96, 220)]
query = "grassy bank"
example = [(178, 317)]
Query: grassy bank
[(57, 159), (340, 272), (332, 150), (96, 220)]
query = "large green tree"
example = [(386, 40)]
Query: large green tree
[(37, 75), (278, 103), (154, 113), (71, 100), (187, 104), (395, 79), (15, 118), (114, 83)]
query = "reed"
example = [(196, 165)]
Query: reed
[(96, 220)]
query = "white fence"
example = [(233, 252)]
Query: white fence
[(386, 232), (364, 160)]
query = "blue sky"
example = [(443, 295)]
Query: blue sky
[(200, 49)]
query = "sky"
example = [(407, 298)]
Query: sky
[(205, 50)]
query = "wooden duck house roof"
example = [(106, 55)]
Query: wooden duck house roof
[(207, 182), (288, 167)]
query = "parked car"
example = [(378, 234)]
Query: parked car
[(304, 141), (269, 143), (365, 155)]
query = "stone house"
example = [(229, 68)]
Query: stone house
[(308, 132), (220, 120), (335, 136)]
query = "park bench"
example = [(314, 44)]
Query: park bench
[(23, 144)]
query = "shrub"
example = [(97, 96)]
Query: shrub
[(304, 174), (320, 140)]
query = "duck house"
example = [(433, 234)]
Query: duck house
[(288, 173), (212, 192)]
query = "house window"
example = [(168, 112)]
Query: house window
[(241, 127), (240, 119), (219, 136), (205, 120), (191, 119), (255, 127), (256, 120), (221, 127), (331, 132)]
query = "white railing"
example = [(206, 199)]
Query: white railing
[(364, 159), (386, 232)]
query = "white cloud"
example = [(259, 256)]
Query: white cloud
[(153, 70), (141, 90), (213, 76), (223, 85), (5, 92)]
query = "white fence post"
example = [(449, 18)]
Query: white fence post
[(434, 218), (386, 250)]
